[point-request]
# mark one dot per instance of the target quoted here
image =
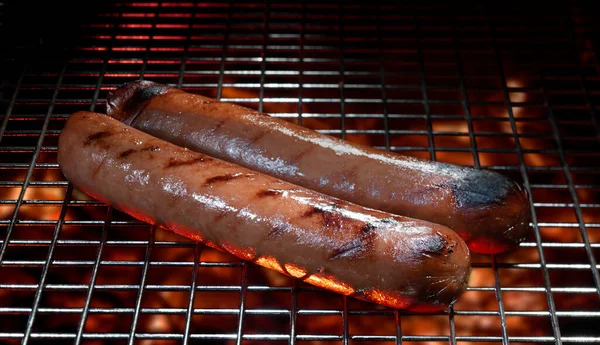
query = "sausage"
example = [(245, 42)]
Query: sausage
[(490, 211), (331, 243)]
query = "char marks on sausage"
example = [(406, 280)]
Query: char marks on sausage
[(368, 228), (352, 250), (126, 153), (224, 178), (268, 192), (93, 138), (174, 163), (152, 148), (308, 235)]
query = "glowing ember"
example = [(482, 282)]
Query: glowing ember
[(330, 284)]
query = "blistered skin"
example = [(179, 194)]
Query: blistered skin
[(490, 211), (331, 243)]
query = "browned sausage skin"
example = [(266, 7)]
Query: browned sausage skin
[(489, 211), (331, 243)]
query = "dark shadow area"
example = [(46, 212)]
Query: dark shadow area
[(35, 31), (41, 29)]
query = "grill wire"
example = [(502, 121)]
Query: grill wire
[(496, 88)]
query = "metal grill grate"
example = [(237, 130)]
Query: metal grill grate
[(511, 89)]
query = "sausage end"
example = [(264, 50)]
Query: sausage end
[(127, 101), (494, 204)]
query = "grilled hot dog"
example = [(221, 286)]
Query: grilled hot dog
[(331, 243), (488, 210)]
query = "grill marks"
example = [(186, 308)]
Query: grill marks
[(98, 138), (171, 163), (314, 210), (268, 193), (328, 214), (174, 162), (92, 138), (127, 153), (224, 178), (351, 250), (359, 247), (331, 218)]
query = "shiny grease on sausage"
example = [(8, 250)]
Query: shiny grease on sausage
[(490, 211), (331, 243)]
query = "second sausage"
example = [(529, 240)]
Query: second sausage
[(490, 211)]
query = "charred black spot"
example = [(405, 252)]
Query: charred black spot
[(127, 153), (143, 94), (350, 250), (152, 91), (126, 102), (368, 228), (480, 188), (385, 221), (172, 163), (313, 210), (439, 245), (435, 246), (152, 148), (96, 136), (278, 229), (324, 209), (268, 192), (222, 178)]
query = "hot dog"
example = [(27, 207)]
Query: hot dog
[(490, 211), (331, 243)]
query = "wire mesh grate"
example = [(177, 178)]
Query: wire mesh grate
[(513, 90)]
